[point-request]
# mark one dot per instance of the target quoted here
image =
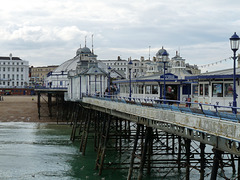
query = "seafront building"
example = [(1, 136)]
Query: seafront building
[(39, 74), (13, 72), (146, 67), (84, 63), (151, 84), (84, 74)]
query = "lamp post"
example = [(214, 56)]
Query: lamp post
[(164, 60), (96, 81), (234, 42), (109, 70), (130, 65)]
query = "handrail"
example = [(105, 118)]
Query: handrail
[(190, 107)]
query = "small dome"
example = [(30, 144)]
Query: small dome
[(84, 50), (160, 52), (78, 51)]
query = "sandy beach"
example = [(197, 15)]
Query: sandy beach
[(20, 109)]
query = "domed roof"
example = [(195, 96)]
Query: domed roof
[(160, 52), (67, 65), (84, 50)]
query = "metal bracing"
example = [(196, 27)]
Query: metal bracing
[(145, 149)]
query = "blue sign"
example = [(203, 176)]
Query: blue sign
[(169, 76)]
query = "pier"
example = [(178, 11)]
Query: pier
[(153, 137)]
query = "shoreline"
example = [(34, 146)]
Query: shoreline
[(21, 108)]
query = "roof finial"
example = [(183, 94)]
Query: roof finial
[(92, 43), (149, 53), (85, 41)]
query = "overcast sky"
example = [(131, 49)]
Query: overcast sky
[(48, 32)]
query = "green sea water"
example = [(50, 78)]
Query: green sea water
[(44, 151)]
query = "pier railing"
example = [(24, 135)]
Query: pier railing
[(221, 112)]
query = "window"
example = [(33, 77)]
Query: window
[(13, 69), (140, 89), (4, 69), (217, 90), (9, 69), (228, 89), (206, 87), (201, 89), (195, 90), (186, 89), (148, 89), (154, 89)]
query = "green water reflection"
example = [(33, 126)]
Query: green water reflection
[(44, 151)]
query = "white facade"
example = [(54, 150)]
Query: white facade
[(215, 88), (59, 77), (14, 72), (147, 67), (93, 81)]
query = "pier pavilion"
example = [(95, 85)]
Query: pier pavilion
[(215, 87)]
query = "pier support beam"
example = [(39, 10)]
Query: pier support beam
[(179, 153), (50, 104), (85, 132), (188, 151), (103, 143), (216, 160), (203, 159), (148, 135), (134, 151), (39, 104)]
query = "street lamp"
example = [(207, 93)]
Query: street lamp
[(130, 65), (96, 82), (164, 60), (234, 42), (109, 70)]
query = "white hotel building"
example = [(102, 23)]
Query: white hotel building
[(14, 72)]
